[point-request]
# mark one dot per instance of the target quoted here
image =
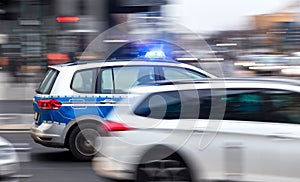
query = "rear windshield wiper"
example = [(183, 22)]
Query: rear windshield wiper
[(38, 91)]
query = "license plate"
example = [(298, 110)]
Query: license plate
[(36, 116)]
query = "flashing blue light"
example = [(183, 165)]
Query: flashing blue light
[(155, 54)]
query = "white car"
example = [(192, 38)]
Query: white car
[(231, 129), (74, 98), (9, 161)]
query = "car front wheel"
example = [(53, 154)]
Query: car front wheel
[(169, 169)]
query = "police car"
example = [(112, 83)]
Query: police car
[(74, 98)]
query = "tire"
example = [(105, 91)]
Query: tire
[(82, 141), (169, 169)]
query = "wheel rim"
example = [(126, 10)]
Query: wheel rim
[(85, 142), (163, 170)]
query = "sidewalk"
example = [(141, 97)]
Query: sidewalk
[(15, 91), (15, 122)]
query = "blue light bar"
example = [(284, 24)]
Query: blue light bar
[(155, 54)]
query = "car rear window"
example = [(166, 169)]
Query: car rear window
[(48, 82)]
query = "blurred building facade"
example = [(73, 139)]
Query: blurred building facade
[(281, 29), (35, 33), (274, 33), (32, 29)]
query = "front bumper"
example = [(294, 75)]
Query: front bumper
[(9, 169), (49, 134), (110, 164), (111, 169)]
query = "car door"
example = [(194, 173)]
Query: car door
[(113, 84), (261, 135), (273, 155)]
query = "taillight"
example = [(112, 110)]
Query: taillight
[(49, 104), (114, 126)]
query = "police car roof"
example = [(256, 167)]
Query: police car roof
[(120, 62)]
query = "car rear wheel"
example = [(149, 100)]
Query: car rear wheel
[(163, 170), (82, 141)]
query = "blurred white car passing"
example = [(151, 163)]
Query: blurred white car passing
[(231, 129), (9, 162)]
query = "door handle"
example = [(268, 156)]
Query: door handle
[(278, 136), (107, 101), (201, 130)]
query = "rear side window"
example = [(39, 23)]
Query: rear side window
[(172, 105), (84, 81), (160, 106), (107, 82), (48, 82)]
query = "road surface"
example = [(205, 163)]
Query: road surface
[(50, 164), (45, 164)]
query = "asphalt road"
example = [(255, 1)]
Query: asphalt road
[(50, 164), (16, 106), (45, 164)]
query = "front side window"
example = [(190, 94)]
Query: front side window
[(247, 105), (48, 82), (127, 77), (119, 79), (175, 73), (265, 105), (284, 106), (83, 81)]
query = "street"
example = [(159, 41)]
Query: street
[(16, 106), (48, 164), (45, 164)]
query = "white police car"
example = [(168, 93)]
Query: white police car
[(73, 98)]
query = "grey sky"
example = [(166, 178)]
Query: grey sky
[(215, 15)]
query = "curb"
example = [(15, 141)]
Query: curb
[(15, 127)]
